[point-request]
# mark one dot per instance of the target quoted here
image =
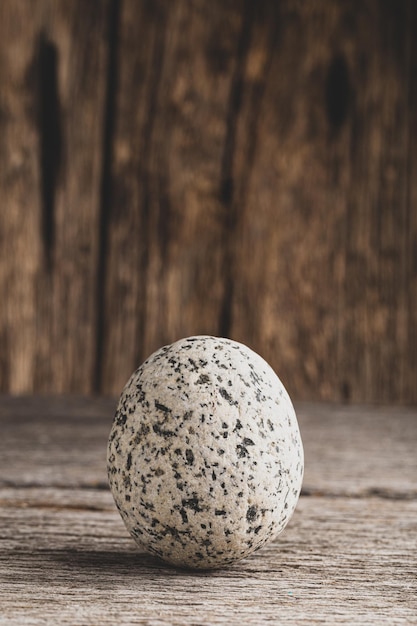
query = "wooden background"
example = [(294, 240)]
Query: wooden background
[(173, 167)]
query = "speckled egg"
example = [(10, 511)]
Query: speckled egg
[(205, 459)]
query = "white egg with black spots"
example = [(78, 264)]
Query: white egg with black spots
[(205, 459)]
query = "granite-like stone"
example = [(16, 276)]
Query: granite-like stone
[(205, 459)]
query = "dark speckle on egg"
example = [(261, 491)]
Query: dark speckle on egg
[(205, 460)]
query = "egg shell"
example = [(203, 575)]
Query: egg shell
[(205, 459)]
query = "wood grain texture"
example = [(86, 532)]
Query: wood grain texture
[(334, 564), (20, 212), (167, 225), (76, 34), (53, 58), (325, 201), (347, 556), (233, 168), (377, 267)]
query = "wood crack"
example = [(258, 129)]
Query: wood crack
[(384, 493), (370, 492), (227, 184), (50, 132)]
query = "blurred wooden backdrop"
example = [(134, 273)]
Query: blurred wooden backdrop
[(241, 168)]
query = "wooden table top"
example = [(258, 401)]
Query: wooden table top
[(348, 556)]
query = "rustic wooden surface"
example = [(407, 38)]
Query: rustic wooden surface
[(348, 556), (245, 169)]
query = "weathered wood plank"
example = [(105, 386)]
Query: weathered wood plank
[(349, 450), (167, 224), (20, 210), (124, 231), (323, 205), (272, 146), (64, 437), (75, 33), (340, 561), (53, 79), (378, 269)]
